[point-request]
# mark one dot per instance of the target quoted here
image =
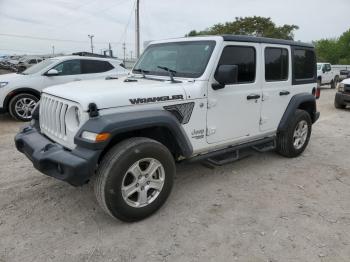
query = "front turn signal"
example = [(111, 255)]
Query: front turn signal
[(94, 137)]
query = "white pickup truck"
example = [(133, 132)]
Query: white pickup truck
[(326, 75)]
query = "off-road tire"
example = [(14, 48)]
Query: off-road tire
[(333, 83), (11, 107), (285, 139), (114, 166), (338, 106)]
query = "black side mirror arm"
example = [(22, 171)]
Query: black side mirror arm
[(217, 86)]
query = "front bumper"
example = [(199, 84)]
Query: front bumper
[(75, 167), (342, 98)]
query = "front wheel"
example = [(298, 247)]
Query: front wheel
[(293, 141), (338, 105), (21, 106), (134, 179)]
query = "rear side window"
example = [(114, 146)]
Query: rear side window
[(242, 56), (95, 66), (276, 64), (304, 66)]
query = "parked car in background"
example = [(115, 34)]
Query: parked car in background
[(344, 74), (19, 92), (27, 62), (342, 97), (327, 76)]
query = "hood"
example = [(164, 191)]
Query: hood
[(346, 81), (11, 77), (117, 92)]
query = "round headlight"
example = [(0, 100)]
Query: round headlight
[(73, 116)]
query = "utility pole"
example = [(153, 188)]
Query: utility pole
[(110, 50), (137, 29), (124, 50), (92, 47), (131, 55), (53, 50)]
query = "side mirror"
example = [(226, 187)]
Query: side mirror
[(52, 72), (323, 70), (225, 75)]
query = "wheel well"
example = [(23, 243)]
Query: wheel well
[(161, 134), (17, 92), (310, 107)]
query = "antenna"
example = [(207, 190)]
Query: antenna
[(137, 29)]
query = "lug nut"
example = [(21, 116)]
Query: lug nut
[(142, 188), (140, 177), (148, 183), (137, 184)]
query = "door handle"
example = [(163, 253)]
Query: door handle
[(284, 93), (253, 96), (77, 79)]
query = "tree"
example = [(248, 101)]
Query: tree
[(327, 50), (256, 26), (335, 50)]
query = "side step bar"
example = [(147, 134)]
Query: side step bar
[(233, 153)]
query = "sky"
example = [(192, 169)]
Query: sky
[(66, 24)]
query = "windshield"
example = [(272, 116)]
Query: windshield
[(38, 67), (319, 66), (185, 59)]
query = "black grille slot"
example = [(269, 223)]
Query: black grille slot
[(182, 112)]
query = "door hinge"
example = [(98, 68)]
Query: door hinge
[(262, 121), (211, 131), (211, 103)]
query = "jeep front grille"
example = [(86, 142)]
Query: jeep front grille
[(53, 112), (52, 115)]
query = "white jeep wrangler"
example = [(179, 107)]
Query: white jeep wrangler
[(190, 99)]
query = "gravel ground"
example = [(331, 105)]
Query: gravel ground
[(262, 208)]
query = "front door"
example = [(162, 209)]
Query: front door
[(68, 71), (234, 111)]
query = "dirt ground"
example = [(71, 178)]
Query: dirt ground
[(263, 208)]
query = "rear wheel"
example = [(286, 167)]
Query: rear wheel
[(134, 179), (333, 84), (22, 105), (293, 141)]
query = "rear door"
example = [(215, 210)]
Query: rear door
[(277, 83), (92, 69)]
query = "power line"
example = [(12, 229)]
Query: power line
[(54, 39), (128, 23)]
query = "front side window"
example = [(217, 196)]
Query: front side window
[(242, 56), (95, 66), (304, 64), (276, 64), (71, 67), (187, 59), (38, 67)]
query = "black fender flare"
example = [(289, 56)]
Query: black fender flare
[(303, 101), (121, 123)]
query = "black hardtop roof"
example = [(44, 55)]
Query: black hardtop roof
[(254, 39)]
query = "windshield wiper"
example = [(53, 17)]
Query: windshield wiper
[(171, 73), (143, 72)]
